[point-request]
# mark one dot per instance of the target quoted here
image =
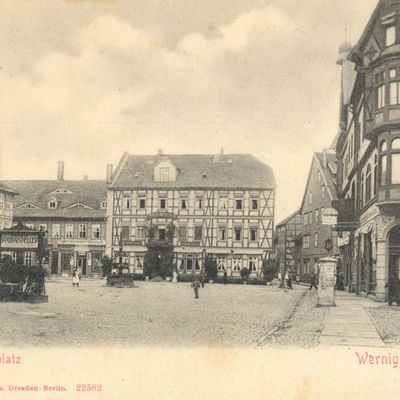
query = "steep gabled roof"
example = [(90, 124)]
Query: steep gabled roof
[(197, 171), (39, 192)]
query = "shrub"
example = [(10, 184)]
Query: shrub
[(269, 270), (106, 265), (245, 273), (210, 267)]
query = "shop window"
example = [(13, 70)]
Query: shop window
[(96, 262), (237, 264), (221, 263), (253, 264)]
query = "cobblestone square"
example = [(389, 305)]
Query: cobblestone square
[(160, 314)]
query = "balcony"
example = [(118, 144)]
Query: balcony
[(389, 198), (346, 220)]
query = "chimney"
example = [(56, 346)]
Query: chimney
[(109, 172), (60, 171)]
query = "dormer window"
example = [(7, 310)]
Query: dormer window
[(52, 204), (103, 204), (390, 35), (165, 171)]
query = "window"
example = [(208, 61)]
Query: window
[(96, 231), (125, 232), (43, 227), (164, 174), (383, 163), (254, 204), (306, 241), (223, 203), (310, 197), (163, 204), (316, 239), (319, 176), (140, 232), (305, 219), (182, 233), (30, 225), (198, 232), (380, 96), (103, 204), (238, 233), (310, 218), (253, 234), (237, 264), (82, 231), (69, 231), (253, 264), (126, 201), (368, 184), (28, 258), (238, 204), (184, 204), (221, 263), (396, 168), (52, 203), (323, 193), (96, 262), (394, 93), (55, 230), (199, 203), (317, 215), (142, 203), (222, 233), (362, 190), (390, 35)]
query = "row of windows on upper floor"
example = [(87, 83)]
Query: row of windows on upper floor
[(69, 230), (141, 232), (313, 216), (323, 195), (199, 203)]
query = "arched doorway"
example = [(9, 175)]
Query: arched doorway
[(394, 251)]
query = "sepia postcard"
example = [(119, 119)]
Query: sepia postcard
[(199, 199)]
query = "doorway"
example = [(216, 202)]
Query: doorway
[(81, 264), (394, 251)]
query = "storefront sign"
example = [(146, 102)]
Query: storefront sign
[(11, 241), (329, 216)]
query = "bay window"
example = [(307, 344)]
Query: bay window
[(395, 153), (383, 163)]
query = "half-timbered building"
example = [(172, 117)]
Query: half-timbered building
[(219, 205), (368, 152), (6, 206)]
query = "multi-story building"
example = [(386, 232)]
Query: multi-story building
[(319, 195), (6, 206), (368, 152), (220, 205), (288, 239), (73, 215)]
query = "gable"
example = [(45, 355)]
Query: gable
[(78, 205), (165, 171), (61, 191)]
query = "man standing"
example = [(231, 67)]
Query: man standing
[(196, 286), (225, 277), (313, 281)]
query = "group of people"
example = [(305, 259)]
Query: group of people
[(286, 283)]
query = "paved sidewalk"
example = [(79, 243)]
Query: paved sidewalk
[(348, 324)]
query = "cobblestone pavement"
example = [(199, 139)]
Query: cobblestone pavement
[(387, 322), (163, 314), (303, 327)]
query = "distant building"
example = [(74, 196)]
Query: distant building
[(219, 205), (368, 152), (6, 206), (288, 240), (73, 215), (320, 193)]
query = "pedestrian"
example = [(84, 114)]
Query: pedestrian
[(202, 279), (313, 281), (289, 282), (340, 281), (225, 277), (196, 286), (394, 289), (75, 278)]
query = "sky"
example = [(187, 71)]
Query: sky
[(85, 80)]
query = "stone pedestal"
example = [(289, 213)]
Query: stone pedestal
[(327, 281)]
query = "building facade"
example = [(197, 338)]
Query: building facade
[(288, 242), (319, 195), (368, 152), (6, 206), (72, 213), (219, 205)]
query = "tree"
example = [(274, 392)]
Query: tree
[(106, 265), (269, 270), (210, 267), (245, 273)]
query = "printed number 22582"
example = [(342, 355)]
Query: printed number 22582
[(88, 387)]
